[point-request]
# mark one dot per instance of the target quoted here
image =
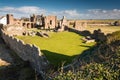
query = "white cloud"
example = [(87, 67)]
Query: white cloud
[(104, 11), (116, 10), (26, 11), (30, 9), (22, 11), (90, 14), (104, 14), (95, 11), (71, 14)]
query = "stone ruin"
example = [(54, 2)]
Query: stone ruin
[(88, 39), (42, 34), (29, 33), (34, 21), (62, 24), (80, 25), (27, 52), (45, 22), (32, 53), (34, 33), (19, 22), (14, 30)]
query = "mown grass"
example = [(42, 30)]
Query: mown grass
[(59, 47)]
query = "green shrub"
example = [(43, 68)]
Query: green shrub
[(115, 36)]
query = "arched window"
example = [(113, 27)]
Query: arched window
[(50, 22), (24, 24)]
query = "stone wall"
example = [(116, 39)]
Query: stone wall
[(14, 30), (98, 35), (1, 26), (80, 25), (50, 22), (74, 30), (27, 52), (83, 33)]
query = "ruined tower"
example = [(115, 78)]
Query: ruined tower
[(33, 18), (10, 19), (50, 21), (63, 23)]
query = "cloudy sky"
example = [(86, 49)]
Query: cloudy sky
[(72, 9)]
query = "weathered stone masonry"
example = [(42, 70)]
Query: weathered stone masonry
[(27, 52)]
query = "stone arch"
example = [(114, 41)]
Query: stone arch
[(28, 25), (24, 24), (50, 22), (32, 25)]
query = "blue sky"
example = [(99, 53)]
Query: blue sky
[(72, 9)]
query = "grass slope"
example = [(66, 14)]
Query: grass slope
[(59, 47)]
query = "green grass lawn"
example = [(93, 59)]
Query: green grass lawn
[(59, 47)]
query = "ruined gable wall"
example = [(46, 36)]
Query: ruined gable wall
[(80, 25), (10, 19), (51, 21), (27, 52)]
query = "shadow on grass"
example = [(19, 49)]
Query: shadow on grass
[(57, 59)]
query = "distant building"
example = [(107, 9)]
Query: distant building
[(3, 20)]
